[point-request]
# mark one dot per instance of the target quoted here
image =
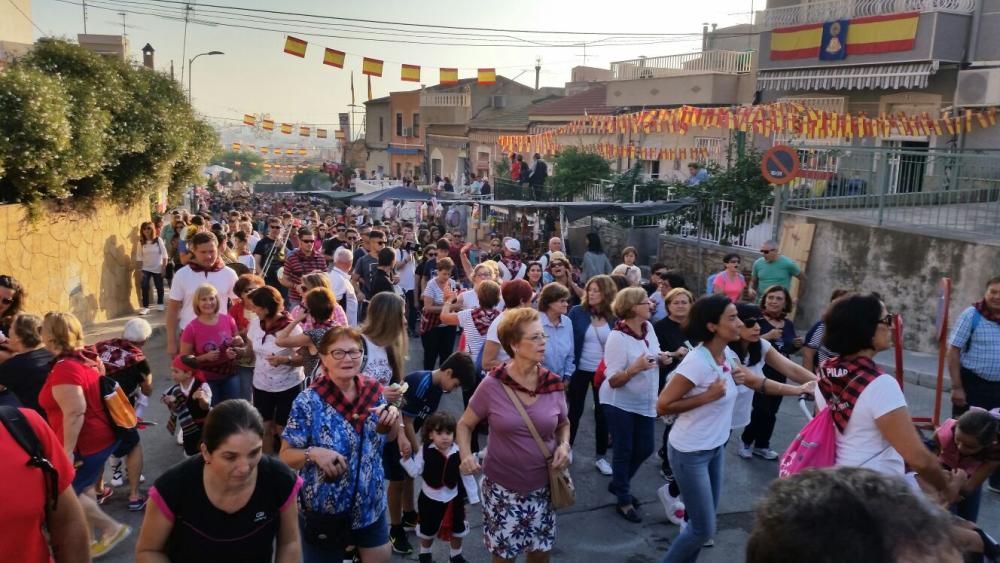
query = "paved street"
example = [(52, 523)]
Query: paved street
[(590, 530)]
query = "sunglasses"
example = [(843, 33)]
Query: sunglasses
[(750, 323), (275, 226), (307, 240), (765, 251), (888, 320)]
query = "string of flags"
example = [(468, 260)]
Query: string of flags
[(376, 67), (287, 128), (277, 151), (777, 118)]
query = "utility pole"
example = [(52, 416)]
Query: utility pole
[(187, 16), (84, 17), (538, 70), (124, 29)]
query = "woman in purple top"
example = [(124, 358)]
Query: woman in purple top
[(517, 511)]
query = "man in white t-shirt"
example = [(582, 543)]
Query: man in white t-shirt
[(205, 267), (340, 282), (555, 245)]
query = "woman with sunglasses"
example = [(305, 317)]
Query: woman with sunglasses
[(12, 301), (730, 282), (334, 438), (874, 427), (778, 335)]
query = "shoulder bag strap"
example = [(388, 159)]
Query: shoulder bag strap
[(357, 468), (527, 420)]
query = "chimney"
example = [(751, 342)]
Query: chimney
[(538, 70), (704, 36)]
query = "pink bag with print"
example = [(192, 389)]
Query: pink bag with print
[(815, 446)]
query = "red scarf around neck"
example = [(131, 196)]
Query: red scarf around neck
[(355, 412), (548, 382), (483, 318), (86, 356), (841, 381), (512, 264), (622, 326), (279, 322), (985, 311), (118, 354), (216, 267)]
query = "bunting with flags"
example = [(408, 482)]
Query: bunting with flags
[(295, 46), (410, 73), (249, 119), (286, 128), (236, 147), (333, 57), (304, 131), (449, 76), (487, 76), (320, 133), (268, 125), (371, 67)]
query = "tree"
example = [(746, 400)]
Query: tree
[(249, 169), (311, 179), (574, 170), (73, 123)]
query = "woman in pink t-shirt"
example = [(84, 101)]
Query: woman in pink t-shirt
[(730, 281), (517, 510), (210, 342)]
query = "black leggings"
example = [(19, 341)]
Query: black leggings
[(577, 397), (438, 343), (762, 419)]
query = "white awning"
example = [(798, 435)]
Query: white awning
[(874, 77)]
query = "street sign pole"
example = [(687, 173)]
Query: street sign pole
[(779, 166)]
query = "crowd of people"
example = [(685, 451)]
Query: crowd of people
[(288, 326)]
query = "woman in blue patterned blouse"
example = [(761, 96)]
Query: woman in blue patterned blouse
[(334, 438)]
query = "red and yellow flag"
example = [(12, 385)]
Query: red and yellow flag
[(249, 119), (410, 73), (268, 125), (797, 42), (304, 131), (371, 67), (236, 147), (295, 46), (265, 150), (449, 76), (487, 76), (286, 128), (333, 57), (289, 152), (882, 34), (320, 133), (302, 151)]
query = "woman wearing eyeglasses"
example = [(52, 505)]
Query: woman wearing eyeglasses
[(730, 282), (334, 438)]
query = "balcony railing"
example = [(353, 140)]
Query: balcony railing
[(727, 62), (445, 99), (815, 12)]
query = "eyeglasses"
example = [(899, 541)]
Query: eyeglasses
[(339, 354), (766, 251), (432, 255), (307, 240), (888, 320), (540, 337)]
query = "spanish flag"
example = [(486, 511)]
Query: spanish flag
[(302, 151), (286, 128), (371, 67), (487, 76), (333, 57), (295, 46), (268, 125), (249, 119), (265, 150), (882, 34), (410, 73), (289, 152), (798, 42), (303, 131), (449, 76), (236, 147), (320, 133)]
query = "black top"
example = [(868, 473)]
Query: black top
[(262, 249), (331, 245), (202, 532), (365, 267), (440, 471), (131, 377), (784, 345), (671, 337), (24, 375), (381, 282)]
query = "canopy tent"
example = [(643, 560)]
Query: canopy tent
[(398, 193), (335, 196), (215, 170)]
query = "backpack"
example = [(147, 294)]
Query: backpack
[(21, 431), (976, 317), (121, 414)]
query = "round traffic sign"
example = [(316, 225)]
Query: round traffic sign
[(780, 164)]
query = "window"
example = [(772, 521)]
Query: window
[(416, 125), (399, 125), (381, 129), (399, 170)]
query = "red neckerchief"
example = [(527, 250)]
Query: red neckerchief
[(841, 381), (118, 354), (513, 265), (281, 321), (357, 411), (622, 326), (216, 267), (85, 356), (548, 382), (985, 311), (483, 318)]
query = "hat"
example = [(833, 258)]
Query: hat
[(137, 330), (748, 311), (512, 245), (178, 363)]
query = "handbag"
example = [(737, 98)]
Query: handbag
[(334, 530), (561, 488)]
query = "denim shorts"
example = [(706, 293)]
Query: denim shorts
[(372, 535), (91, 468)]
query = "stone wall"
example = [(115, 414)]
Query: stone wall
[(614, 238), (905, 268), (76, 262), (698, 261)]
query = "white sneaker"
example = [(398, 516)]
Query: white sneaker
[(671, 505), (142, 478), (160, 308), (766, 453), (143, 311), (180, 437), (603, 466), (117, 476), (746, 452)]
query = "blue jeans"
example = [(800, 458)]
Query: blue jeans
[(699, 475), (222, 389), (968, 508), (157, 280), (245, 375), (632, 435)]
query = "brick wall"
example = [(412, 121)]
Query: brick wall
[(697, 262)]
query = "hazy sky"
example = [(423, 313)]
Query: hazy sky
[(256, 76)]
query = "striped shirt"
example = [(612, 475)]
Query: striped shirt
[(298, 265), (982, 354)]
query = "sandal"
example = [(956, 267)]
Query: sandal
[(629, 514)]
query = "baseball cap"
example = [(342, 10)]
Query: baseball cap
[(512, 245)]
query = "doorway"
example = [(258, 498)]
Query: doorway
[(907, 166)]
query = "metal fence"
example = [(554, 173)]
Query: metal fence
[(944, 191), (826, 10), (727, 62)]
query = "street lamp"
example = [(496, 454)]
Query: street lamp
[(191, 62)]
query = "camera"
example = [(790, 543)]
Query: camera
[(411, 246)]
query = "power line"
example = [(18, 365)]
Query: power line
[(26, 16)]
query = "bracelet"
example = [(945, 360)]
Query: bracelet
[(308, 460)]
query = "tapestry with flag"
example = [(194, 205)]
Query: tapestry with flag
[(371, 67), (295, 46), (410, 73), (333, 57), (833, 45), (449, 76), (835, 40)]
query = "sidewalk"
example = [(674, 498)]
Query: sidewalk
[(919, 368), (113, 328)]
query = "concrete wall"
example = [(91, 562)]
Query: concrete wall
[(696, 262), (373, 113), (14, 27), (76, 262), (988, 42), (905, 268), (692, 89)]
